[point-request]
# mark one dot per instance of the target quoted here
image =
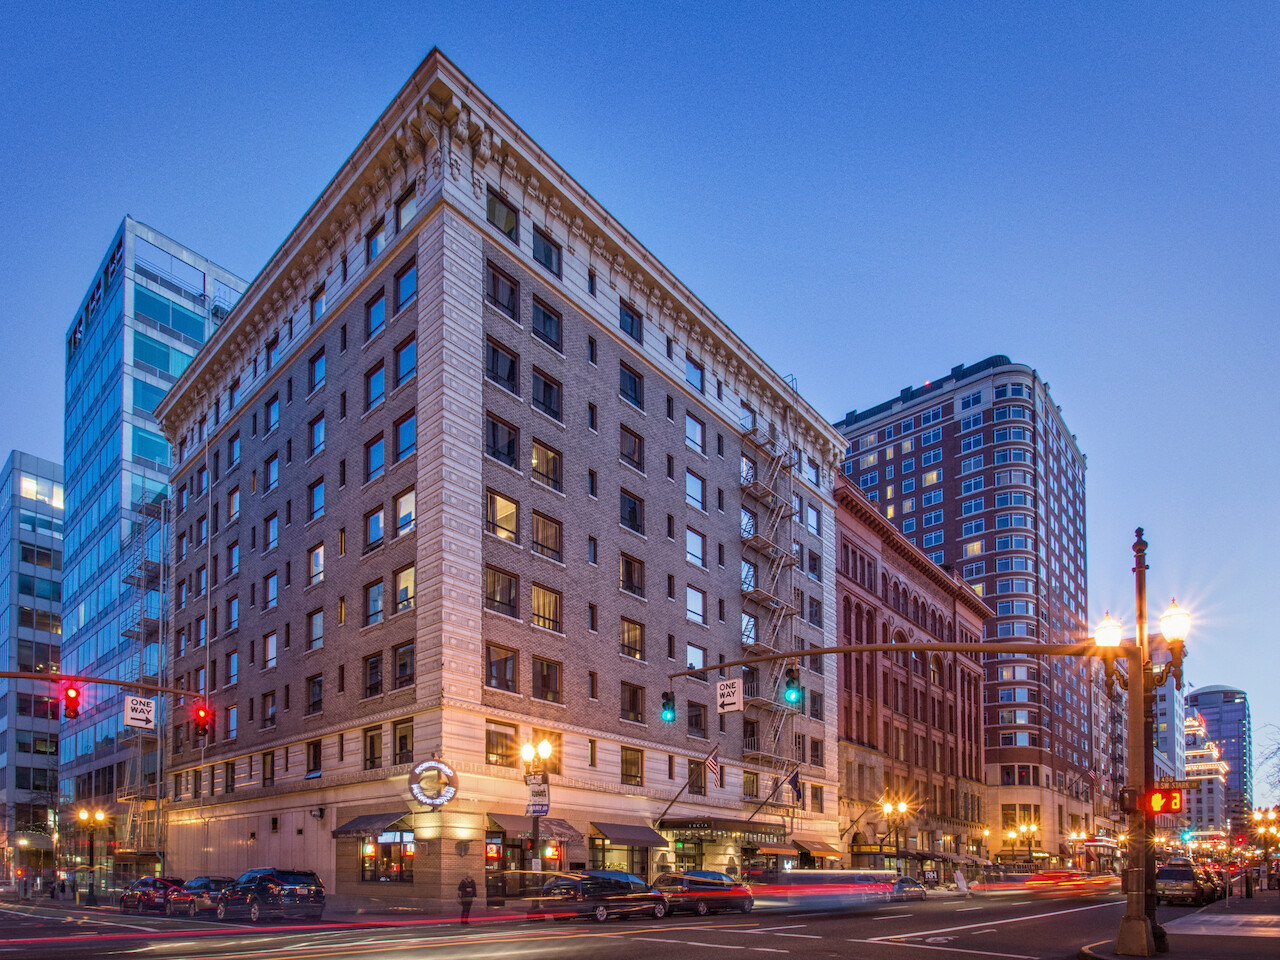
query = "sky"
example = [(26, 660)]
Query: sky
[(1092, 189)]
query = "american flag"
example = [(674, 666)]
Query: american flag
[(713, 765)]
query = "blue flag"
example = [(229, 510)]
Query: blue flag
[(794, 780)]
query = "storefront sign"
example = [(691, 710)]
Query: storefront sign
[(433, 783)]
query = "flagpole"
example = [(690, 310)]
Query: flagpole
[(684, 787)]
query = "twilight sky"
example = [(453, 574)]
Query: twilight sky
[(1092, 189)]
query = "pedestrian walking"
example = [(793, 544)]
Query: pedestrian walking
[(62, 889), (466, 896)]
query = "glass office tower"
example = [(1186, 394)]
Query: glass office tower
[(150, 306), (1226, 718), (30, 631)]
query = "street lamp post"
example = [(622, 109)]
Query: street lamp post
[(535, 758), (1139, 934), (1028, 830), (1268, 831), (92, 821), (1074, 839), (23, 885), (895, 813)]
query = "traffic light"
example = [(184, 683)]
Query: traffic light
[(794, 693), (1187, 835), (669, 707), (71, 703), (1162, 800), (201, 719)]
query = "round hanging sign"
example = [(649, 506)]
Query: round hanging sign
[(433, 782)]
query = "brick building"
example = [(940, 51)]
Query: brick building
[(980, 471), (413, 557), (911, 722)]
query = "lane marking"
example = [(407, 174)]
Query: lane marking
[(790, 926), (967, 909), (1020, 903), (767, 950), (803, 936), (925, 946), (893, 916), (988, 923)]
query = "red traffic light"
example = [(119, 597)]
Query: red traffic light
[(201, 718), (1162, 800), (71, 703)]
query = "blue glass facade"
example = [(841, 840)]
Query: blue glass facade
[(1226, 719), (151, 305), (31, 550)]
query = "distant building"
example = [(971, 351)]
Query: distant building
[(31, 502), (910, 722), (1227, 722), (1170, 717), (1206, 804), (979, 470), (149, 307)]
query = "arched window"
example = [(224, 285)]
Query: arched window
[(935, 670), (848, 620)]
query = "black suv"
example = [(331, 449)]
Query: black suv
[(703, 892), (597, 893), (272, 892)]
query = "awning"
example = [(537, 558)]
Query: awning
[(369, 824), (549, 828), (819, 848), (775, 850), (630, 834)]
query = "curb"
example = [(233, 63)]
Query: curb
[(1087, 951)]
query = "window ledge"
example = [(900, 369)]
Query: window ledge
[(554, 421), (546, 559), (490, 458), (489, 611)]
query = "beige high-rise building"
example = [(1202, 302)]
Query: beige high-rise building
[(467, 468)]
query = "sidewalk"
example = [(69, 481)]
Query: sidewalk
[(1237, 928)]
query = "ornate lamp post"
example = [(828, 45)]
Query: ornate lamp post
[(1139, 933), (1073, 839), (93, 821), (535, 758), (1028, 832), (1267, 828), (896, 814)]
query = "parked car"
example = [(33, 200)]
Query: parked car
[(1179, 882), (196, 896), (1218, 887), (703, 892), (907, 888), (597, 893), (272, 892), (149, 893)]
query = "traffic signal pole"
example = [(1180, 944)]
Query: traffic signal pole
[(61, 678)]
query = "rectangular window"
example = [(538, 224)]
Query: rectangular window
[(315, 564), (501, 367), (546, 680), (631, 575), (695, 490), (501, 441), (695, 433), (404, 580), (315, 694), (546, 608), (270, 591), (973, 527), (546, 251), (316, 436), (375, 313), (631, 321), (373, 529), (632, 703), (375, 458), (500, 744), (501, 291), (406, 361), (270, 474), (695, 604), (633, 767), (375, 384), (500, 592), (546, 465), (630, 386), (693, 375), (316, 370), (502, 517), (631, 448), (315, 499), (373, 675), (546, 536), (931, 477), (631, 511), (372, 747), (271, 414), (933, 539), (406, 436), (931, 416), (695, 547), (697, 727), (404, 663), (375, 241), (503, 216), (315, 630), (546, 394), (631, 639), (406, 286), (501, 673), (406, 511), (373, 606), (233, 613)]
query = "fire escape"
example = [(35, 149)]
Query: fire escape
[(768, 598), (145, 622)]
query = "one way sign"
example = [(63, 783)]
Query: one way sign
[(728, 696)]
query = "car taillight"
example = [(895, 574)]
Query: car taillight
[(578, 895)]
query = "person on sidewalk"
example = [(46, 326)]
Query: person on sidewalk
[(466, 896)]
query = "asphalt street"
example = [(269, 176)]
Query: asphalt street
[(1009, 927)]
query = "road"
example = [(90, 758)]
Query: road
[(1007, 928)]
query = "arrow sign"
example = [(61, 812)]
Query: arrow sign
[(140, 712), (728, 696)]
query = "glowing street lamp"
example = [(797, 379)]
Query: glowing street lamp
[(92, 821), (896, 813), (535, 758)]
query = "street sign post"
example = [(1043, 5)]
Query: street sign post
[(140, 712), (728, 696), (1168, 783), (539, 796)]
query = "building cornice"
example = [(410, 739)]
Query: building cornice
[(441, 130)]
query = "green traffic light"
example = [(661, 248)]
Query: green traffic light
[(669, 715)]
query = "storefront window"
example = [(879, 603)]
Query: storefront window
[(615, 856), (389, 857)]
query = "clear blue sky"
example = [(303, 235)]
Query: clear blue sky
[(1091, 189)]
